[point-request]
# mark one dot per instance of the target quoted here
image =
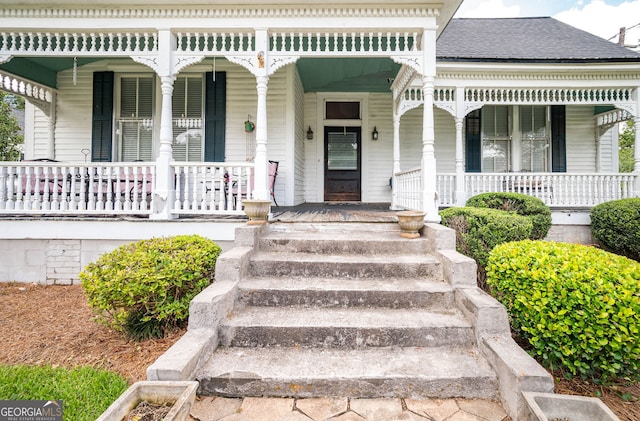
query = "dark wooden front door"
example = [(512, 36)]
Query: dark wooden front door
[(342, 169)]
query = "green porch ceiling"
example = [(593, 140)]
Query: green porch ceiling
[(42, 70), (347, 74)]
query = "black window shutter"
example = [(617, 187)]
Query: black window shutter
[(558, 139), (473, 142), (102, 122), (215, 117)]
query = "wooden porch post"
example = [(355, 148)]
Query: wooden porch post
[(164, 194), (396, 160), (260, 189), (636, 153), (429, 181)]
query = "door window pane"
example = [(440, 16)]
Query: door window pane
[(342, 111), (342, 151)]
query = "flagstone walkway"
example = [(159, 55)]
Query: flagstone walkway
[(342, 409)]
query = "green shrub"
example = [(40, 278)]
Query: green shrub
[(616, 225), (522, 204), (577, 306), (145, 288), (478, 230)]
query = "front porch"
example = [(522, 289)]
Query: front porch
[(218, 189)]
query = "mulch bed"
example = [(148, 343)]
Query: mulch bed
[(53, 325)]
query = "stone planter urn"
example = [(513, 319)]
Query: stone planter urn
[(551, 406), (181, 394), (257, 211), (411, 222)]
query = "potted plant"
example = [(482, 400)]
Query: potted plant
[(257, 211), (551, 406), (411, 222), (180, 395)]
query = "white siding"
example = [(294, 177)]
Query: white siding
[(73, 113), (609, 150), (377, 159), (300, 137), (581, 151), (312, 155)]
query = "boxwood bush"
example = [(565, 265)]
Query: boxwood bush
[(144, 288), (479, 230), (577, 306), (522, 204), (616, 225)]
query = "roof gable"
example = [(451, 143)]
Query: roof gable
[(541, 39)]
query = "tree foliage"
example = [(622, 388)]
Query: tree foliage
[(625, 146), (10, 137)]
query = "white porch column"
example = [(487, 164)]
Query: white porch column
[(636, 155), (396, 161), (164, 194), (461, 195), (165, 189), (428, 164), (51, 140), (261, 188)]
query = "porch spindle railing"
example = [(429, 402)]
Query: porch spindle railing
[(49, 187), (408, 189), (554, 189), (212, 188)]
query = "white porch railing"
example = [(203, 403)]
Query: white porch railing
[(121, 188), (49, 187), (212, 188), (407, 189), (554, 189)]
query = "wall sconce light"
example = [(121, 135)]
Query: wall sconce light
[(310, 134), (374, 133)]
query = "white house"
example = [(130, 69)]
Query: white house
[(165, 110)]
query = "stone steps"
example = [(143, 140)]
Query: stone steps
[(361, 373), (344, 328), (345, 310), (340, 292), (291, 264)]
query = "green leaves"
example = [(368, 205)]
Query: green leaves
[(144, 288), (578, 306), (616, 225)]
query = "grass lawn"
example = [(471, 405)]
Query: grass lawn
[(86, 392)]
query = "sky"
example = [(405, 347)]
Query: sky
[(603, 18)]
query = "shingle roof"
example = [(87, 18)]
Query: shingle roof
[(541, 39)]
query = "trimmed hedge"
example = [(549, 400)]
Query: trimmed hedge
[(145, 288), (577, 306), (616, 225), (522, 204), (479, 230)]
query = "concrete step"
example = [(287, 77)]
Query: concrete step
[(332, 292), (344, 328), (371, 242), (344, 266), (368, 373)]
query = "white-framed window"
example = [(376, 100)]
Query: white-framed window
[(496, 139), (523, 128), (134, 118), (534, 138), (188, 127)]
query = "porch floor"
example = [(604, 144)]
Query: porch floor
[(334, 212)]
